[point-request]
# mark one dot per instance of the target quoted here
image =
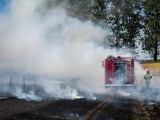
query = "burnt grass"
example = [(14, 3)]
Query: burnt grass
[(119, 109)]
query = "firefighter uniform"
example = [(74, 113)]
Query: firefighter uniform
[(147, 78)]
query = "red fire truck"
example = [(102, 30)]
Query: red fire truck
[(119, 71)]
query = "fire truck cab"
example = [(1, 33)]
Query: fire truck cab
[(119, 71)]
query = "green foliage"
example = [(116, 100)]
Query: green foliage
[(151, 40), (129, 22), (123, 17)]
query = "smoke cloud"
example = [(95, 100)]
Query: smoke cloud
[(40, 38)]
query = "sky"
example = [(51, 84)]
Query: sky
[(3, 5)]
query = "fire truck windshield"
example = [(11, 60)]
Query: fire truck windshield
[(119, 72)]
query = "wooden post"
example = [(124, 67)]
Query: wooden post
[(24, 87), (10, 81)]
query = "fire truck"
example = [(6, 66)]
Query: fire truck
[(119, 71)]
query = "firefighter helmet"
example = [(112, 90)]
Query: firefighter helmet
[(148, 71)]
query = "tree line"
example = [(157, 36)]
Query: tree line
[(131, 22)]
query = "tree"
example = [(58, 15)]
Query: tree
[(109, 12), (124, 18), (81, 9), (151, 40), (131, 22)]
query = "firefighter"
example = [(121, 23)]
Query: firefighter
[(147, 78)]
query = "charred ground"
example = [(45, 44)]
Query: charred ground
[(112, 108)]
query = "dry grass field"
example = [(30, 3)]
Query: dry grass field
[(155, 67)]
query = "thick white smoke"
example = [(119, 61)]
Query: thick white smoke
[(47, 41), (51, 43)]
